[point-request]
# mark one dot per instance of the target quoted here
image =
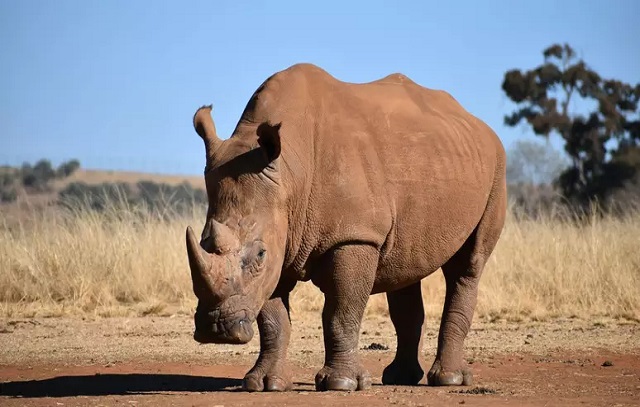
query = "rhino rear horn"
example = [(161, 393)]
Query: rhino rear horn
[(203, 124), (225, 240)]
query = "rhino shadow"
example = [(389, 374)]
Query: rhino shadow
[(116, 384)]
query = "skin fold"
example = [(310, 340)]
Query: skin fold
[(361, 189)]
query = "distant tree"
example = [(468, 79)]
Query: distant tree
[(7, 178), (531, 169), (593, 141), (8, 190), (629, 196), (39, 176), (67, 168), (534, 163)]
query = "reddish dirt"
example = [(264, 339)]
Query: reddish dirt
[(567, 379), (135, 362)]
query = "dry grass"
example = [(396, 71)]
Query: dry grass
[(127, 262)]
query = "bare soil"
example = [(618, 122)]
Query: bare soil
[(154, 361)]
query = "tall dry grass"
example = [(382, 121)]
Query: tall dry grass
[(130, 261)]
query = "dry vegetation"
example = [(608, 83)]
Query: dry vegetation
[(98, 176), (126, 261)]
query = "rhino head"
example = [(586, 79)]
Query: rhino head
[(236, 264)]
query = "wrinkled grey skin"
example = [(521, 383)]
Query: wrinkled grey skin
[(362, 189)]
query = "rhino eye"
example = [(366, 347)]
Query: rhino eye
[(254, 260), (262, 253)]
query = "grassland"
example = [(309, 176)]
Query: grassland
[(131, 262)]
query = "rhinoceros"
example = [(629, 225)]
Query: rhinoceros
[(362, 188)]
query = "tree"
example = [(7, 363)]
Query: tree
[(592, 141), (67, 168), (533, 163), (38, 176), (8, 192), (531, 169)]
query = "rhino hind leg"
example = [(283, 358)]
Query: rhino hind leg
[(407, 314), (462, 274)]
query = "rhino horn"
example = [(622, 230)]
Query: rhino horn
[(209, 271), (203, 124), (225, 240), (200, 261)]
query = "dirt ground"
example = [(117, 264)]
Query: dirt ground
[(153, 361)]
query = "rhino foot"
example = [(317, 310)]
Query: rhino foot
[(437, 376), (272, 381), (401, 373), (329, 378)]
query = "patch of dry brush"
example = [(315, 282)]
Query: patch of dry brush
[(127, 261)]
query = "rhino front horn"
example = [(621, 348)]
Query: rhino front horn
[(199, 259)]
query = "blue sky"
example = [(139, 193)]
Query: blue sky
[(115, 83)]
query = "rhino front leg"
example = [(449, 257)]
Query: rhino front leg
[(346, 279), (271, 373)]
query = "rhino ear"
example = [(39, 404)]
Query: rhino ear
[(269, 140)]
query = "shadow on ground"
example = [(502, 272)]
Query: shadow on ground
[(116, 384)]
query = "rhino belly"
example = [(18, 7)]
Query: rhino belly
[(429, 229)]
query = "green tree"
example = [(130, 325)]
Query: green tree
[(8, 192), (593, 141), (67, 168), (39, 176)]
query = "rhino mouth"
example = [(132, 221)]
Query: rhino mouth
[(214, 327)]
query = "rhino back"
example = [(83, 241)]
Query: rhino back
[(389, 163)]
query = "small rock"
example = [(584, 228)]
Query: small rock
[(607, 363)]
